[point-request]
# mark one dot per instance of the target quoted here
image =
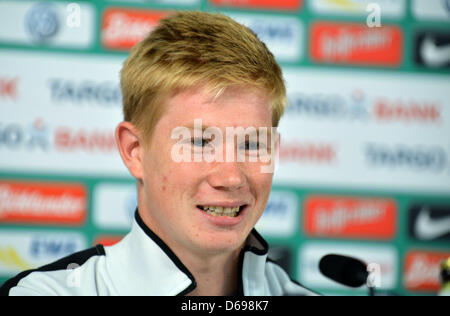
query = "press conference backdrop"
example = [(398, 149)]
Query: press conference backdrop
[(364, 166)]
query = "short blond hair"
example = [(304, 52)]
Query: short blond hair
[(192, 48)]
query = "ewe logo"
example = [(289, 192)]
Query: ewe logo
[(21, 250)]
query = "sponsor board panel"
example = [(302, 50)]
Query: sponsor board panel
[(114, 205), (422, 270), (260, 4), (52, 24), (431, 10), (284, 36), (23, 250), (356, 44), (432, 48), (107, 240), (388, 8), (38, 147), (350, 217), (429, 221), (280, 215), (35, 123), (42, 203), (357, 126), (48, 85), (122, 28), (311, 253)]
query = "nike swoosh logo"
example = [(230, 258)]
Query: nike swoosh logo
[(433, 55), (427, 228)]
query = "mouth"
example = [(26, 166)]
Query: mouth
[(221, 211)]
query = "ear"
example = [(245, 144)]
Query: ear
[(130, 148), (277, 142)]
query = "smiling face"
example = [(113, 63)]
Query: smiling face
[(173, 195)]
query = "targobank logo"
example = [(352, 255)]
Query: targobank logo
[(406, 157), (357, 106), (40, 136), (104, 93)]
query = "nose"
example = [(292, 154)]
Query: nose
[(227, 176)]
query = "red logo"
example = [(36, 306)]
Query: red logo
[(265, 4), (412, 111), (345, 43), (308, 152), (42, 203), (124, 28), (107, 240), (351, 217), (8, 88), (422, 269), (67, 139)]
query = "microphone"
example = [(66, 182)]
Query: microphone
[(344, 270)]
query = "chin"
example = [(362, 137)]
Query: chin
[(222, 241)]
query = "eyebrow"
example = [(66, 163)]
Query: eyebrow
[(269, 129)]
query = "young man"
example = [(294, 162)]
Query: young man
[(194, 79)]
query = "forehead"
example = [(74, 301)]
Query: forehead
[(234, 106)]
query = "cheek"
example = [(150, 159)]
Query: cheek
[(260, 184), (260, 180), (176, 179), (163, 185)]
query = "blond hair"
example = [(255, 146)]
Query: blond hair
[(191, 48)]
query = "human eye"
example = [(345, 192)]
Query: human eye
[(199, 142), (251, 145)]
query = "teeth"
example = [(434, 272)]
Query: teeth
[(221, 211)]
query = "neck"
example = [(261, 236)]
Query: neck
[(215, 276)]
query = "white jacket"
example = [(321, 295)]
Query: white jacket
[(142, 264)]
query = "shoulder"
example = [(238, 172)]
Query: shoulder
[(281, 284), (61, 277)]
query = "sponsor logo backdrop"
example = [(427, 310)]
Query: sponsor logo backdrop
[(364, 165)]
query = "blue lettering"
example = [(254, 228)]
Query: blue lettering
[(51, 247), (276, 208), (419, 158)]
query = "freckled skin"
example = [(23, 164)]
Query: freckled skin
[(172, 190)]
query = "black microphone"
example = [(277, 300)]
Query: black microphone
[(344, 270)]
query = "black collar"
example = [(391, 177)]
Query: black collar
[(255, 244)]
